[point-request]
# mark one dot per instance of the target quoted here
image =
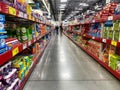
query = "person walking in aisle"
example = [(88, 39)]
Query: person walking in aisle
[(61, 29), (56, 29)]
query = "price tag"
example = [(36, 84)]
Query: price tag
[(110, 18), (104, 40), (29, 43), (25, 16), (20, 14), (12, 11), (24, 46), (15, 51), (93, 37), (114, 43)]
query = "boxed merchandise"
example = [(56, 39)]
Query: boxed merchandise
[(95, 30), (3, 46), (9, 76), (110, 35), (29, 10), (105, 33), (20, 5), (116, 35), (9, 2), (117, 9), (114, 62), (105, 54), (23, 64), (116, 25), (93, 47), (22, 32)]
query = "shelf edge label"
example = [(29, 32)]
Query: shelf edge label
[(104, 40), (24, 46), (12, 11), (110, 18), (114, 43), (15, 51)]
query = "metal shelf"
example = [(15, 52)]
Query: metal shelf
[(115, 73), (18, 48), (32, 68)]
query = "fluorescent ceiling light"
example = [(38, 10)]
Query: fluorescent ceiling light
[(30, 1), (62, 5), (78, 8), (83, 4), (63, 0), (62, 8)]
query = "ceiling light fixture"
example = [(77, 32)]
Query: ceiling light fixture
[(62, 5), (62, 8), (63, 0), (84, 4)]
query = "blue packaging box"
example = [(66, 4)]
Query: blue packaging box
[(2, 18)]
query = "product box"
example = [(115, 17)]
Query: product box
[(9, 2), (2, 18), (105, 33), (117, 35), (110, 35), (29, 11), (116, 25), (114, 61)]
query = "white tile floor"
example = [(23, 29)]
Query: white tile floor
[(64, 66)]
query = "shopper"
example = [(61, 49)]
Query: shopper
[(61, 29), (56, 29)]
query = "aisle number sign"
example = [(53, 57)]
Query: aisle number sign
[(15, 51), (12, 11), (114, 43)]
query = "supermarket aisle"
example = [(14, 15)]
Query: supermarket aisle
[(66, 67)]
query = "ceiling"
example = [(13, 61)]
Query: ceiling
[(74, 7), (70, 8)]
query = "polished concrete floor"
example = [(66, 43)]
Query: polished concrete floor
[(64, 66)]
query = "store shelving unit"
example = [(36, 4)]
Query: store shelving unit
[(32, 68), (99, 37), (102, 40), (18, 48), (6, 9), (115, 73)]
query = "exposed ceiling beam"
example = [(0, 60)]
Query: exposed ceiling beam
[(52, 9)]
